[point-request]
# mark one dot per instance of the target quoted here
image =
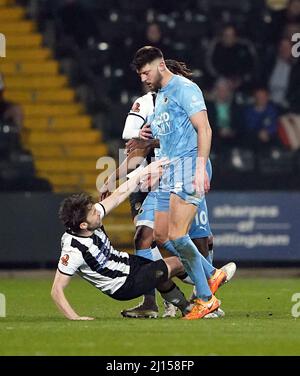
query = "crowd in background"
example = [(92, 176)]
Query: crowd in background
[(240, 54)]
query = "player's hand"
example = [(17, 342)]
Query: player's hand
[(151, 174), (135, 144), (206, 182), (145, 132), (201, 182), (83, 318), (104, 192)]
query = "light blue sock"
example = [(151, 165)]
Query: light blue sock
[(209, 270), (156, 254), (170, 248), (192, 262), (210, 257), (146, 253)]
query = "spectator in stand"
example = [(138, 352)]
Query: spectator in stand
[(284, 78), (292, 14), (76, 22), (261, 121), (154, 36), (10, 112), (284, 17), (233, 58), (225, 115)]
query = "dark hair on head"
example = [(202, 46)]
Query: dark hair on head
[(146, 55), (179, 67), (74, 209)]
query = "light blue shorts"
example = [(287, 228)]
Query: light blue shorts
[(200, 227), (145, 215), (178, 178)]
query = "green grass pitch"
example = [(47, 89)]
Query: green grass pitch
[(258, 322)]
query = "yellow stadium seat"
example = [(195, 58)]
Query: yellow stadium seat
[(41, 96), (51, 122), (43, 68), (56, 129), (63, 151), (19, 27), (11, 14), (27, 54), (64, 138), (28, 40), (31, 110), (67, 166), (35, 82)]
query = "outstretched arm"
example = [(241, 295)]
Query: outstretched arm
[(60, 282), (130, 163), (153, 171)]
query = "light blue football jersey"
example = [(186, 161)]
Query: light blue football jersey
[(175, 103)]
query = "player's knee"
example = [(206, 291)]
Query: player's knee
[(160, 238), (174, 266), (176, 233), (143, 237)]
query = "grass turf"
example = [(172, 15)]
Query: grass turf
[(258, 321)]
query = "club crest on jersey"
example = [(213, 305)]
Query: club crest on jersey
[(64, 260), (136, 107)]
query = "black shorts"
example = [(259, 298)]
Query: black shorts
[(145, 275), (136, 200)]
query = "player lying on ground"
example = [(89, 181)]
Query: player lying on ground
[(86, 250)]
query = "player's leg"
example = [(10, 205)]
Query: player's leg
[(210, 256), (181, 217), (199, 233), (145, 275), (161, 229), (136, 200), (184, 201), (148, 307), (143, 241)]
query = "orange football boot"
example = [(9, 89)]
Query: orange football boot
[(202, 308), (217, 280)]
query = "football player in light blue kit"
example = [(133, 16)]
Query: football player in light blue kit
[(181, 124)]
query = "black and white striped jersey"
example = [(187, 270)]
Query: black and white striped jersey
[(95, 260)]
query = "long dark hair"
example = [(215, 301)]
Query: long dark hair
[(179, 67)]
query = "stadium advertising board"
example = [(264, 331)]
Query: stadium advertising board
[(255, 226)]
